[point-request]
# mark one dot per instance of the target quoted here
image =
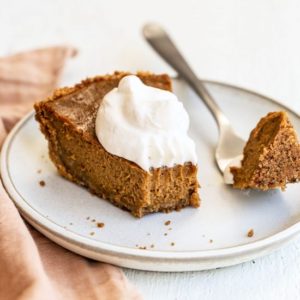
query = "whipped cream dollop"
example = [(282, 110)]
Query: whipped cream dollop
[(235, 162), (145, 125)]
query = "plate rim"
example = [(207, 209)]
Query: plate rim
[(102, 247)]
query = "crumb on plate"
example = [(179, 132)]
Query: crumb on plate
[(100, 224), (250, 233), (42, 183)]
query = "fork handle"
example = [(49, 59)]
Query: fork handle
[(164, 46)]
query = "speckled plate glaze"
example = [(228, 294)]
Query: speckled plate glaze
[(215, 235)]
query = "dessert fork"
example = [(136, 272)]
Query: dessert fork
[(230, 145)]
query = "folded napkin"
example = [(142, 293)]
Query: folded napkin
[(31, 266)]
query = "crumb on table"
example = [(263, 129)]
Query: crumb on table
[(92, 233), (42, 183), (167, 222), (165, 234), (172, 244), (250, 233), (211, 241)]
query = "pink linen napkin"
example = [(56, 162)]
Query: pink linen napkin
[(31, 266)]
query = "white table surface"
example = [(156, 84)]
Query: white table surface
[(254, 44)]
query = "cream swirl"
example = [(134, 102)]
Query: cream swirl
[(145, 125)]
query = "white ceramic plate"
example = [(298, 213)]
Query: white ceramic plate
[(215, 235)]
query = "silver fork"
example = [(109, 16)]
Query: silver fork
[(230, 145)]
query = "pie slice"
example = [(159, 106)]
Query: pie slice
[(271, 155), (67, 119)]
